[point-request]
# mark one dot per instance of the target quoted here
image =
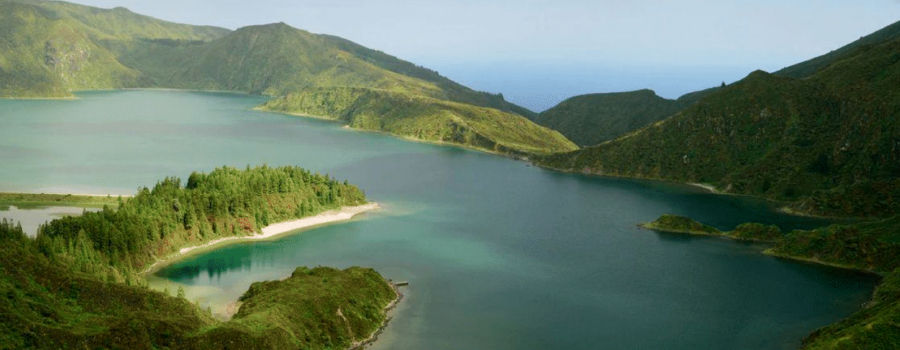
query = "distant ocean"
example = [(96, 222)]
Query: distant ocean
[(539, 87)]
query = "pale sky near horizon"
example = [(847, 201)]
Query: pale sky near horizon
[(560, 48)]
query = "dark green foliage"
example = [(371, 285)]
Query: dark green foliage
[(745, 232), (875, 327), (46, 305), (828, 144), (11, 231), (873, 246), (425, 118), (73, 288), (321, 308), (589, 120), (680, 224), (154, 223), (809, 68), (752, 231)]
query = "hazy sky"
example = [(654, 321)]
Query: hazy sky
[(552, 49)]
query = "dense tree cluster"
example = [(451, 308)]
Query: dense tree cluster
[(158, 221)]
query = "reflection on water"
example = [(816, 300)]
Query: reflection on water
[(499, 255)]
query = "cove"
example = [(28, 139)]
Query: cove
[(499, 255)]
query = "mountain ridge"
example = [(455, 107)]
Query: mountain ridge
[(55, 48), (828, 144)]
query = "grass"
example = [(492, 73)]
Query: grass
[(31, 200), (425, 118)]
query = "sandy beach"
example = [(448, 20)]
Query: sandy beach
[(709, 188), (331, 216)]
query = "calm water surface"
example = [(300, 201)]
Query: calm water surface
[(499, 255)]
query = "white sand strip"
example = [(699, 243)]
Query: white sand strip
[(345, 213), (710, 188)]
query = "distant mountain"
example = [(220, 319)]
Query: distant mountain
[(829, 143), (589, 120), (50, 49)]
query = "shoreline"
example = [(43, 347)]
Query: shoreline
[(390, 306), (271, 231)]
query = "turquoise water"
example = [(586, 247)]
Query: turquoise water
[(499, 255)]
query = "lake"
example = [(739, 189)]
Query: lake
[(499, 254)]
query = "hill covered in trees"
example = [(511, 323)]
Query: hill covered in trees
[(828, 144), (74, 285), (116, 242), (51, 49), (589, 120)]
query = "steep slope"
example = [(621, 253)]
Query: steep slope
[(589, 120), (808, 68), (49, 49), (829, 144)]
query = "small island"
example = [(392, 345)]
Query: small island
[(79, 283), (753, 232)]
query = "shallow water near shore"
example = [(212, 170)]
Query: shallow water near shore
[(499, 255)]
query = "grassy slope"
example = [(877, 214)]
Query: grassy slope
[(589, 120), (49, 49), (425, 118), (54, 48), (828, 143), (36, 200)]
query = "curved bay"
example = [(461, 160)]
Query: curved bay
[(499, 255)]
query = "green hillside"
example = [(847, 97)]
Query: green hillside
[(808, 68), (589, 120), (425, 118), (74, 286), (828, 144), (51, 49)]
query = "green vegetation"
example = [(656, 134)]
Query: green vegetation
[(875, 327), (155, 223), (809, 68), (589, 120), (321, 308), (50, 49), (869, 246), (74, 285), (680, 224), (827, 145), (26, 200), (745, 232), (425, 118)]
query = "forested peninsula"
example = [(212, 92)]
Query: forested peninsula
[(78, 283)]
